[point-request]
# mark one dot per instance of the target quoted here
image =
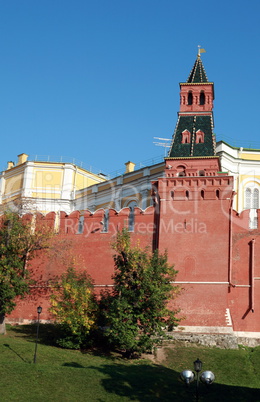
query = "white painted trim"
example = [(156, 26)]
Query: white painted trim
[(211, 283), (205, 330), (201, 283), (105, 286), (242, 334)]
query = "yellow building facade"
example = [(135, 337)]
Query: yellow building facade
[(244, 165), (44, 186)]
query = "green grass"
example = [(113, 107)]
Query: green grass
[(69, 375)]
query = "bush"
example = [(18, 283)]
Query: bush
[(73, 304), (135, 312)]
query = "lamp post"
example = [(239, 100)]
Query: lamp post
[(207, 377), (39, 310)]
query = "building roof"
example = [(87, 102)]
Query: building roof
[(198, 73), (193, 124)]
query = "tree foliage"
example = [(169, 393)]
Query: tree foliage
[(136, 310), (18, 244), (73, 306)]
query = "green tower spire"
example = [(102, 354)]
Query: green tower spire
[(193, 135)]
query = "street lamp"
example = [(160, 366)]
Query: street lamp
[(39, 310), (207, 377)]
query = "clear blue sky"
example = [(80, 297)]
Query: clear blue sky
[(97, 80)]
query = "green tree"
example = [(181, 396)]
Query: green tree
[(18, 245), (74, 307), (135, 313)]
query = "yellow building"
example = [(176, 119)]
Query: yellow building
[(44, 186), (244, 165), (58, 186), (130, 189)]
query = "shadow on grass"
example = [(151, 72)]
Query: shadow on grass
[(12, 350), (146, 383), (73, 364), (47, 333)]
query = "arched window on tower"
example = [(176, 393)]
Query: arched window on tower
[(185, 139), (190, 98), (199, 137), (202, 98), (181, 171)]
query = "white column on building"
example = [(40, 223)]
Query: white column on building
[(68, 181), (28, 180)]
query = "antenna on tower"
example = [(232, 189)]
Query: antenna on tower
[(165, 144)]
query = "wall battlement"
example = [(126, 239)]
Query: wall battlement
[(101, 221)]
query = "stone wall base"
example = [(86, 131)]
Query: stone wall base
[(220, 340)]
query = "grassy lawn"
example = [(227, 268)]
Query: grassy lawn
[(68, 375)]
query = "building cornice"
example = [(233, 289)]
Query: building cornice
[(191, 157), (196, 83)]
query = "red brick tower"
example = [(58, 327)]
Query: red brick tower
[(194, 201)]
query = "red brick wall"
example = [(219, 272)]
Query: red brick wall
[(90, 250), (244, 295), (196, 232)]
